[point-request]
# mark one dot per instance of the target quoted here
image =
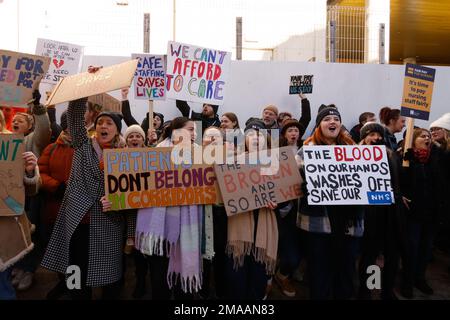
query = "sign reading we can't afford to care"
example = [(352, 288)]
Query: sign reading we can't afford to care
[(197, 74)]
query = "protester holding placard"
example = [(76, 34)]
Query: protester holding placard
[(16, 230), (55, 164), (85, 234), (384, 232), (173, 232), (271, 120), (252, 241), (289, 243), (215, 231), (35, 127), (332, 232), (208, 116), (135, 138), (158, 120), (394, 123), (423, 184)]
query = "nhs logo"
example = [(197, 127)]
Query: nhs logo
[(380, 197)]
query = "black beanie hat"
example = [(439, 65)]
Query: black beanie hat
[(160, 116), (255, 124), (115, 116), (327, 111), (370, 127), (64, 120)]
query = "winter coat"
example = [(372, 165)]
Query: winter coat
[(55, 164), (339, 220), (425, 186), (206, 122), (84, 189), (37, 140)]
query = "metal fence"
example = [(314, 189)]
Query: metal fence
[(346, 32)]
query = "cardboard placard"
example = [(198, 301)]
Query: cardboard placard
[(89, 84), (301, 84), (417, 91), (197, 74), (347, 175), (148, 177), (108, 102), (244, 188), (12, 190), (65, 59), (20, 75), (149, 78)]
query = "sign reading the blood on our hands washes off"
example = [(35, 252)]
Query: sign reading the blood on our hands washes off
[(197, 74), (65, 59), (149, 78), (347, 175)]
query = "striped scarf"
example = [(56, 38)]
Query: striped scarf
[(180, 230)]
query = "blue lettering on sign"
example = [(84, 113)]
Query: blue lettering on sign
[(379, 197)]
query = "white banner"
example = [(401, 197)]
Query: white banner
[(347, 175), (197, 74), (65, 59)]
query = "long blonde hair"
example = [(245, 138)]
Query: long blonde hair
[(3, 123)]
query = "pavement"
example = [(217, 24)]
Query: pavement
[(438, 277)]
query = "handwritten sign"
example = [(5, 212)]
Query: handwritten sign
[(149, 78), (149, 177), (244, 187), (88, 84), (346, 175), (301, 84), (20, 75), (417, 91), (197, 74), (109, 103), (12, 192), (65, 59)]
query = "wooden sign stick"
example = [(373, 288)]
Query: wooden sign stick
[(408, 139), (150, 115)]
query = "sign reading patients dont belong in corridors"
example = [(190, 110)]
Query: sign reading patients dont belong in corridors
[(197, 74)]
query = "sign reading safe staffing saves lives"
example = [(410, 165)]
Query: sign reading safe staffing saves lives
[(347, 175)]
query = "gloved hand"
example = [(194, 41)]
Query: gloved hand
[(36, 97), (304, 188), (59, 193), (409, 155)]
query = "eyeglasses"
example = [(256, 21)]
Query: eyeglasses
[(435, 129)]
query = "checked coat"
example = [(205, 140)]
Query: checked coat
[(84, 190)]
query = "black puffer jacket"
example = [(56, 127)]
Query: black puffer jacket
[(424, 185)]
